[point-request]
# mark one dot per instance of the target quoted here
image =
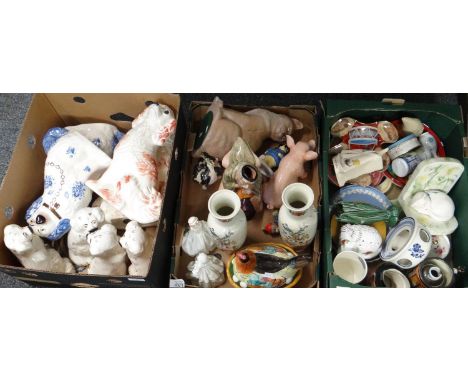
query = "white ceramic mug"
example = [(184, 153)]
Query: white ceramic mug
[(350, 266)]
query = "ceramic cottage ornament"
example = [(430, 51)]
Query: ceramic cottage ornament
[(242, 175), (207, 170), (206, 271), (71, 160), (32, 253), (197, 238), (221, 127), (289, 171), (130, 184), (84, 222), (137, 244), (362, 239), (109, 258)]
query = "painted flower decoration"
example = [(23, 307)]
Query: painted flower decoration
[(78, 190), (97, 142), (416, 251), (71, 151), (48, 181)]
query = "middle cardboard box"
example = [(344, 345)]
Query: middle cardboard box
[(265, 255)]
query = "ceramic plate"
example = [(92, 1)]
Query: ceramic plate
[(360, 194)]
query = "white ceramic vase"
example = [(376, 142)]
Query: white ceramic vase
[(226, 220), (297, 217)]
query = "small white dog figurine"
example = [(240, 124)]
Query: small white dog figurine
[(109, 258), (137, 244), (71, 160), (131, 183), (85, 221), (32, 253)]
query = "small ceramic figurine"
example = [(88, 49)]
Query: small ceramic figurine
[(109, 258), (221, 127), (362, 239), (273, 156), (102, 135), (32, 253), (71, 161), (197, 238), (207, 170), (206, 271), (289, 171), (130, 184), (297, 219), (226, 220), (111, 215), (266, 266), (350, 164), (243, 177), (137, 244), (84, 222)]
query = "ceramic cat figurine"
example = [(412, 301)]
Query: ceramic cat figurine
[(130, 184), (360, 238), (289, 171), (224, 126), (32, 253), (137, 245), (84, 222), (71, 160), (109, 258), (102, 135)]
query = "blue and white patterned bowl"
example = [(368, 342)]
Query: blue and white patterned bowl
[(362, 194)]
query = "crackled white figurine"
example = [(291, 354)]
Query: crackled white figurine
[(130, 184), (138, 244), (197, 238), (32, 252), (206, 271), (71, 160), (102, 135), (109, 258), (359, 238), (84, 222)]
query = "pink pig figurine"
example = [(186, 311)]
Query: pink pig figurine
[(290, 169)]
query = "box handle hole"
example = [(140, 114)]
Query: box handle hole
[(32, 141), (121, 117), (79, 100), (8, 212), (147, 103)]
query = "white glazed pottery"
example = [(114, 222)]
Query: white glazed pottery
[(102, 135), (407, 244), (297, 219), (137, 243), (440, 247), (206, 271), (226, 220), (403, 146), (350, 266), (197, 238), (393, 278), (363, 239), (412, 126)]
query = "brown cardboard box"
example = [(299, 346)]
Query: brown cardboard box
[(194, 200), (23, 181)]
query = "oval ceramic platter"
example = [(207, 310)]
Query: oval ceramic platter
[(264, 280), (361, 194)]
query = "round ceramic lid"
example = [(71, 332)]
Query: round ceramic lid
[(400, 167)]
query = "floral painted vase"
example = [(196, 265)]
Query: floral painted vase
[(226, 220), (297, 217)]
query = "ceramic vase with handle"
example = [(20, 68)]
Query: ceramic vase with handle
[(297, 217), (226, 220)]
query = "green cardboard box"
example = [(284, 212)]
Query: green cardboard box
[(446, 121)]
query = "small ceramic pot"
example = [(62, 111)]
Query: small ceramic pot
[(226, 220), (405, 164), (350, 266), (403, 146), (388, 276), (407, 244), (297, 216), (440, 247), (432, 273)]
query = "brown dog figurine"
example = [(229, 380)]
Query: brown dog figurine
[(223, 126)]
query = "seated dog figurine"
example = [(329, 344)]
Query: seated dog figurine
[(84, 222), (32, 253), (221, 127), (102, 135), (71, 160), (109, 258), (137, 243), (130, 184), (290, 169)]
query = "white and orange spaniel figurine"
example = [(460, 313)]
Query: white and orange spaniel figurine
[(133, 183)]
